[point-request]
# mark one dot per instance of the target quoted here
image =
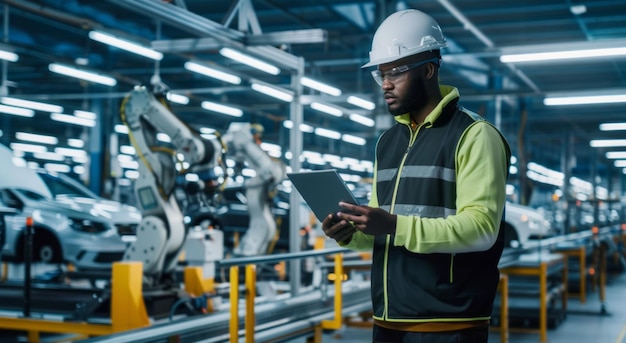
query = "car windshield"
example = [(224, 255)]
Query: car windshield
[(60, 187), (32, 195)]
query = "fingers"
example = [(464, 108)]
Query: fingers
[(337, 230)]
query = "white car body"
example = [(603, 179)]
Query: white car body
[(523, 224), (72, 224)]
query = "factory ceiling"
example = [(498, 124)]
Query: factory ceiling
[(329, 40)]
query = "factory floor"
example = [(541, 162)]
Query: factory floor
[(585, 323), (590, 322)]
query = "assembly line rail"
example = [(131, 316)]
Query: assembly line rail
[(311, 311), (304, 312)]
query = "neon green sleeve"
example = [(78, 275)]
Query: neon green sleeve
[(482, 158), (361, 241)]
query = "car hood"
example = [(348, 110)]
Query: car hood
[(103, 209)]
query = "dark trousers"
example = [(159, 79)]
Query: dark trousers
[(473, 335)]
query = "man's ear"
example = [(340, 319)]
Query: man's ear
[(430, 71)]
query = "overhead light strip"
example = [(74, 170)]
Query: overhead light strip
[(320, 86), (272, 91), (360, 102), (562, 55), (177, 98), (69, 119), (326, 109), (123, 44), (17, 111), (250, 61), (615, 155), (215, 107), (82, 74), (32, 137), (584, 100), (8, 56), (605, 143), (213, 73), (33, 105), (612, 126), (363, 120)]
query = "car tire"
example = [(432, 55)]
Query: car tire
[(46, 248)]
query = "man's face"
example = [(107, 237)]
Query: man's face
[(405, 92)]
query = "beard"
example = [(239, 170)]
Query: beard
[(414, 98)]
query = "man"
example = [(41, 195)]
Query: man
[(438, 197)]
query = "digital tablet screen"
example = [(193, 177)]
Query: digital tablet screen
[(322, 190)]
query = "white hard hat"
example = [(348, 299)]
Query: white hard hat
[(403, 34)]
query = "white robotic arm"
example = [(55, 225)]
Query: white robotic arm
[(162, 232), (269, 173)]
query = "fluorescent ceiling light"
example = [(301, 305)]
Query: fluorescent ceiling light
[(248, 60), (70, 152), (360, 102), (123, 44), (177, 98), (82, 74), (326, 109), (620, 163), (357, 118), (560, 55), (322, 87), (57, 168), (31, 137), (215, 107), (127, 149), (121, 128), (33, 105), (17, 111), (28, 147), (616, 155), (303, 127), (353, 139), (272, 91), (327, 133), (213, 73), (51, 156), (75, 143), (8, 56), (604, 143), (66, 118), (612, 126), (85, 114), (584, 100)]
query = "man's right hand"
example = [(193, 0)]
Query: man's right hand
[(339, 230)]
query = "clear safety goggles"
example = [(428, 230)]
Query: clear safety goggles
[(398, 73)]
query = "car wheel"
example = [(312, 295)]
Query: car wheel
[(46, 248), (511, 239)]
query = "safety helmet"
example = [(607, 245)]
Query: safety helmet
[(403, 34)]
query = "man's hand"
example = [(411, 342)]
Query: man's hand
[(369, 220), (339, 230)]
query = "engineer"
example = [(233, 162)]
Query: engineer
[(435, 215)]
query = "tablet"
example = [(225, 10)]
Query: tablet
[(322, 190)]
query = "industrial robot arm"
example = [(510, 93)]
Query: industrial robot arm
[(269, 173), (162, 231)]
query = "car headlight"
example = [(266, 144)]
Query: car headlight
[(86, 225), (534, 224)]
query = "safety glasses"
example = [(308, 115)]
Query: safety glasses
[(398, 74)]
